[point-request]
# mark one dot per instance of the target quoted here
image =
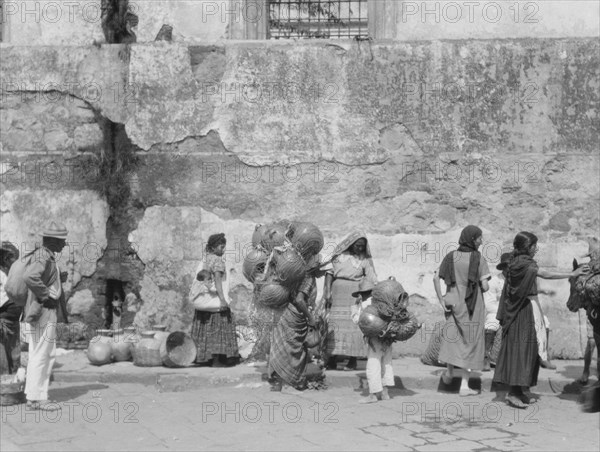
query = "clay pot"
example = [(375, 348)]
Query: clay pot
[(147, 353), (131, 338), (160, 334), (99, 350), (370, 323), (121, 349)]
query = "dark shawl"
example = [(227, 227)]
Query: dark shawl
[(520, 284), (466, 244)]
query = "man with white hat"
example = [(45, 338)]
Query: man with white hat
[(44, 308)]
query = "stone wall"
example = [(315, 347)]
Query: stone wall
[(408, 141)]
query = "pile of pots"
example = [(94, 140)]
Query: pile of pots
[(148, 349), (279, 258)]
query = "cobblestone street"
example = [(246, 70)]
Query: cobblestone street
[(248, 416)]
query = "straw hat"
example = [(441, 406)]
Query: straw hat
[(56, 230), (364, 286)]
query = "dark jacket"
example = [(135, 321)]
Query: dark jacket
[(40, 274)]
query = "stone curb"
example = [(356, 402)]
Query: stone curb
[(410, 375)]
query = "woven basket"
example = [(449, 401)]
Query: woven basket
[(431, 354), (11, 393), (496, 347), (179, 350), (403, 331)]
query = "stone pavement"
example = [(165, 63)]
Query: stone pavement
[(232, 409), (72, 366)]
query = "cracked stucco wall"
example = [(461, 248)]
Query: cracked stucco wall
[(409, 141)]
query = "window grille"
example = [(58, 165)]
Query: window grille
[(328, 19)]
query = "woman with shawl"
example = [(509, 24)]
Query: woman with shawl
[(518, 361), (351, 262), (466, 275)]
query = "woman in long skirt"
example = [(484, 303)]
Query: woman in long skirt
[(214, 330), (351, 262), (466, 275), (518, 361), (289, 354)]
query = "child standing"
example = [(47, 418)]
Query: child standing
[(380, 373)]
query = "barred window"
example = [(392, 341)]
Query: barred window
[(328, 19)]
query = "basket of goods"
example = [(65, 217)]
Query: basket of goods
[(277, 262), (11, 392), (402, 329), (179, 350), (389, 302)]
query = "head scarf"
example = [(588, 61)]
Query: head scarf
[(348, 241), (466, 244), (521, 283)]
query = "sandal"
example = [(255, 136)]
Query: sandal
[(46, 405), (515, 401)]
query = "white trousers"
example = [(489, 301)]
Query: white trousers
[(379, 365), (41, 336), (541, 323)]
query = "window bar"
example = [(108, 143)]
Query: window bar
[(309, 19)]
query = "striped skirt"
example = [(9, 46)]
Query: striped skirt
[(344, 336), (214, 334), (288, 355)]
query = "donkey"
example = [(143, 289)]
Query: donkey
[(585, 294)]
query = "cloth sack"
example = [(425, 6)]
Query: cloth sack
[(205, 299), (15, 286)]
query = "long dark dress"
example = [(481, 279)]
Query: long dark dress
[(518, 362)]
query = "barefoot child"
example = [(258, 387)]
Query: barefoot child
[(380, 373)]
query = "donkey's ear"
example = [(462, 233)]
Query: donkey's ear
[(575, 264)]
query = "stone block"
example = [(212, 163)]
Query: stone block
[(81, 302), (57, 140), (88, 136)]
